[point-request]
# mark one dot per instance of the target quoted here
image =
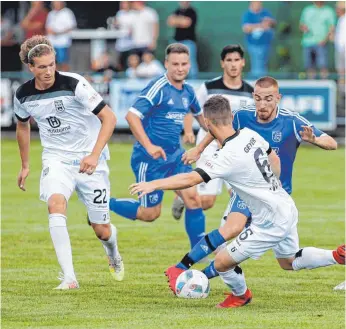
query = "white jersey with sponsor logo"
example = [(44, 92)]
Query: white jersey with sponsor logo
[(65, 114), (243, 163)]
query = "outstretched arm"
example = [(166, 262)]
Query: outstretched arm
[(177, 182)]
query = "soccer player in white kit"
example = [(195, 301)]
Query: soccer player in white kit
[(249, 165), (75, 125)]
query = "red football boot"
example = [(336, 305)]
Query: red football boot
[(236, 301), (339, 254), (172, 274)]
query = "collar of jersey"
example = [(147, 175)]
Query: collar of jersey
[(230, 137), (50, 88)]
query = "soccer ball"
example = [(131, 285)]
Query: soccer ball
[(192, 284)]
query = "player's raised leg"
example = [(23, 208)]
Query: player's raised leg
[(148, 208)]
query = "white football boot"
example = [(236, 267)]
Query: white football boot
[(66, 284), (116, 268)]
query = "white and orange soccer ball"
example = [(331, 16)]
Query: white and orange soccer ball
[(192, 284)]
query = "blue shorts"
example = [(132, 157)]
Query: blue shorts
[(315, 56), (147, 169), (62, 55), (237, 205)]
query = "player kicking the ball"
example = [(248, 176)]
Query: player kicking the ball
[(248, 164), (75, 125)]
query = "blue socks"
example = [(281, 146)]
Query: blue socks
[(210, 271), (194, 225), (203, 247), (124, 207)]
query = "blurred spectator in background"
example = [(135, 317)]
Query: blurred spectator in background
[(317, 23), (145, 28), (132, 62), (124, 21), (104, 65), (340, 39), (150, 66), (184, 19), (9, 46), (60, 22), (257, 24), (35, 20)]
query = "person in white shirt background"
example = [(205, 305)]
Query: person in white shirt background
[(150, 66), (124, 20), (60, 22), (146, 28)]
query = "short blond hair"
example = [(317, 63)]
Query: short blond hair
[(42, 47), (266, 82)]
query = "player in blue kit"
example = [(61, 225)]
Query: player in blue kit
[(284, 131), (156, 120)]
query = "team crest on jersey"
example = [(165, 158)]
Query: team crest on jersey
[(185, 102), (59, 106), (241, 204), (154, 198), (277, 136)]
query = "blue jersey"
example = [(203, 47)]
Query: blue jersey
[(282, 134), (162, 108)]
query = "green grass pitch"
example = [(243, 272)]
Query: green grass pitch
[(282, 299)]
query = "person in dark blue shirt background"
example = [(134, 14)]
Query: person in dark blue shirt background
[(156, 120), (257, 24)]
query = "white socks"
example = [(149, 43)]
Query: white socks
[(110, 245), (311, 257), (235, 279), (62, 244)]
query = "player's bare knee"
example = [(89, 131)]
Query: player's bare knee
[(286, 263), (57, 204), (102, 231), (230, 230), (192, 201), (207, 202), (149, 214)]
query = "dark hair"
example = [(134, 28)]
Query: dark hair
[(266, 82), (218, 110), (177, 48), (232, 49)]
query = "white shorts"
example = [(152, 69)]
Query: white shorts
[(254, 241), (93, 190), (213, 187)]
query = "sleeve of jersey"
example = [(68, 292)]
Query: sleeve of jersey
[(89, 97), (202, 94), (299, 122), (213, 168), (150, 96), (195, 107), (236, 122), (19, 111)]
